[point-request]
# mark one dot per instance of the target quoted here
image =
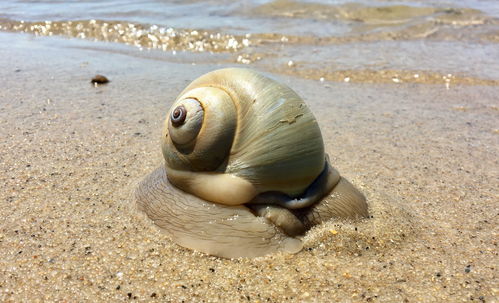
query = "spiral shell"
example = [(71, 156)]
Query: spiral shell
[(248, 127)]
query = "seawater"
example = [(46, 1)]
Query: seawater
[(439, 41)]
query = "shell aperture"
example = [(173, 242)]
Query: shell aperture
[(245, 149)]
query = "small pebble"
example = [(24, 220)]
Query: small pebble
[(99, 79), (467, 269)]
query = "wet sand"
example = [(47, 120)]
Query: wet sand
[(425, 156)]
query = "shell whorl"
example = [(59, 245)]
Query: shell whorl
[(252, 128), (203, 141)]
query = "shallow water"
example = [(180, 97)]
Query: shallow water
[(446, 42)]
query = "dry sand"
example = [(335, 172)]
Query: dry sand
[(425, 156)]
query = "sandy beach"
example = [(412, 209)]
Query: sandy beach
[(425, 156)]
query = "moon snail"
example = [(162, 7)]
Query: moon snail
[(245, 172)]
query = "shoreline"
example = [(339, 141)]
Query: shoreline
[(263, 56)]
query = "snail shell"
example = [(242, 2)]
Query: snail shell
[(243, 134), (245, 170)]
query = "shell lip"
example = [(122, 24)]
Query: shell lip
[(320, 187)]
